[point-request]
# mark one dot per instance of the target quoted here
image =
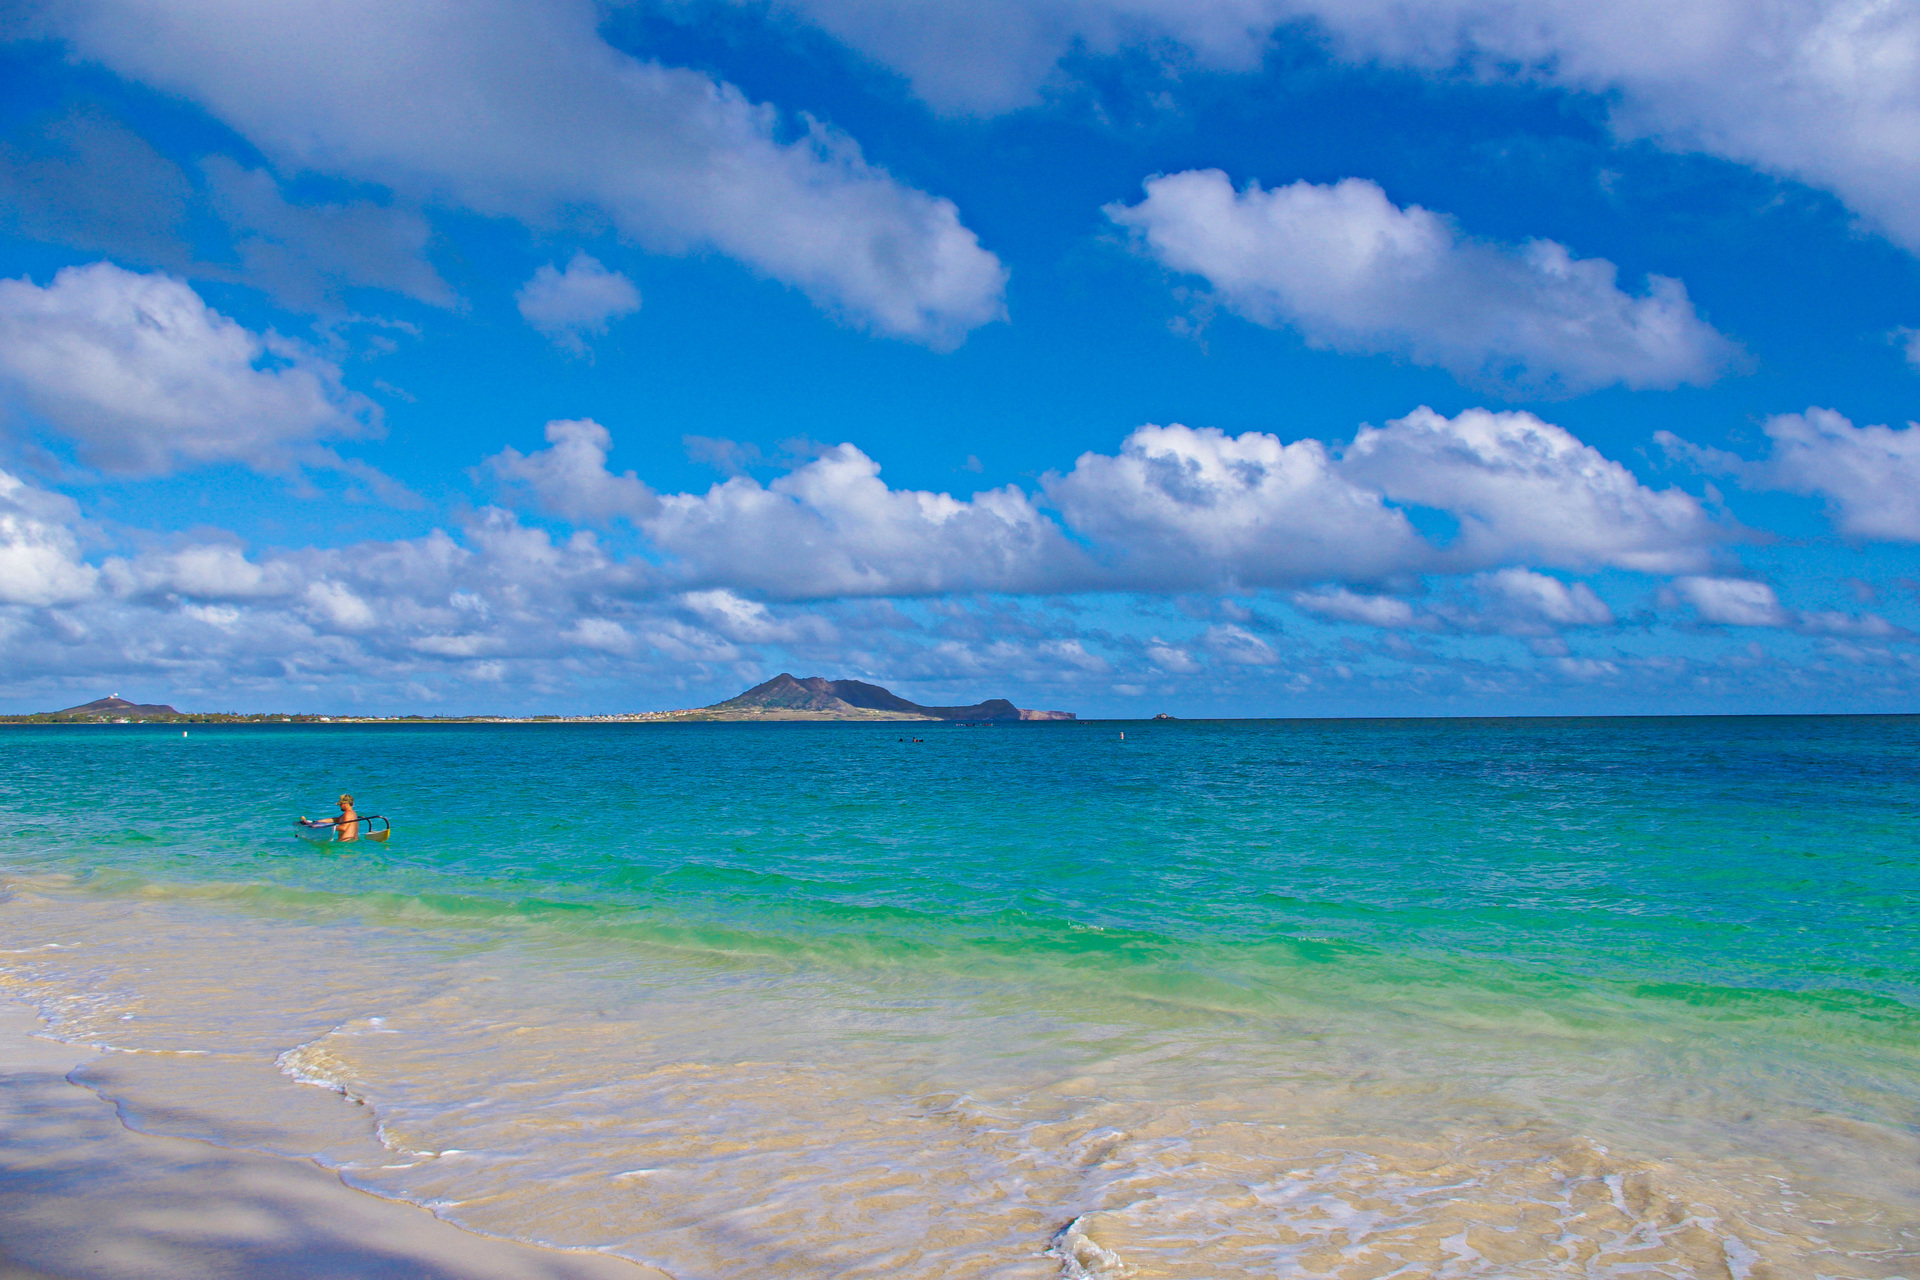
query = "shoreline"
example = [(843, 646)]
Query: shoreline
[(81, 1194), (700, 716), (692, 716)]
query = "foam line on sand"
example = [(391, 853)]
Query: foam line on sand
[(81, 1195)]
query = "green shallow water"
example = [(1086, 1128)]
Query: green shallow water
[(1742, 862), (1720, 907)]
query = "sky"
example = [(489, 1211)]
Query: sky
[(1207, 357)]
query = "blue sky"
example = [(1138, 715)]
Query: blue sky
[(1243, 357)]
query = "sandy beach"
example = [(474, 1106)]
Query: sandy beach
[(936, 1015), (81, 1195)]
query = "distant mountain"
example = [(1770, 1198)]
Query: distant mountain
[(116, 708), (815, 698)]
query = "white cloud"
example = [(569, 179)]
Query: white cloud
[(1169, 657), (1824, 91), (1909, 340), (1527, 491), (1175, 509), (145, 377), (1343, 605), (1733, 602), (333, 604), (750, 622), (1182, 507), (1870, 476), (603, 634), (40, 562), (1238, 646), (581, 300), (1072, 653), (832, 527), (469, 646), (1512, 601), (1828, 622), (305, 253), (570, 477), (1520, 596), (520, 109), (1741, 602), (85, 180), (499, 616), (681, 643), (1585, 669), (1355, 273), (200, 572)]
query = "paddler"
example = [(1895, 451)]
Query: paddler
[(345, 827)]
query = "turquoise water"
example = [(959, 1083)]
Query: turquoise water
[(1688, 944)]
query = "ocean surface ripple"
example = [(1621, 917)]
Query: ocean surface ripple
[(1355, 999)]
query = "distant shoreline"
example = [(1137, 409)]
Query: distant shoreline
[(701, 716), (782, 698), (698, 715)]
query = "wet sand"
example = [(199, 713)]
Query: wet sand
[(81, 1195)]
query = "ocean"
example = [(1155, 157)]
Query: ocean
[(1356, 999)]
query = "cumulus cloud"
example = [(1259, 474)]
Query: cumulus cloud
[(1826, 92), (1870, 476), (1176, 508), (1180, 507), (201, 572), (751, 622), (1510, 601), (40, 562), (1170, 657), (498, 615), (492, 604), (144, 377), (572, 303), (1343, 605), (1742, 602), (1527, 491), (570, 478), (1355, 273), (1173, 509), (521, 110), (439, 608), (1238, 646), (832, 527), (1734, 602), (1516, 595)]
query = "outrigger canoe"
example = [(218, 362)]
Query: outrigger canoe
[(312, 831)]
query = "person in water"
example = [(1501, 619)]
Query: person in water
[(345, 827)]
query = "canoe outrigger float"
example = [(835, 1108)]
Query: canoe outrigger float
[(332, 827)]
